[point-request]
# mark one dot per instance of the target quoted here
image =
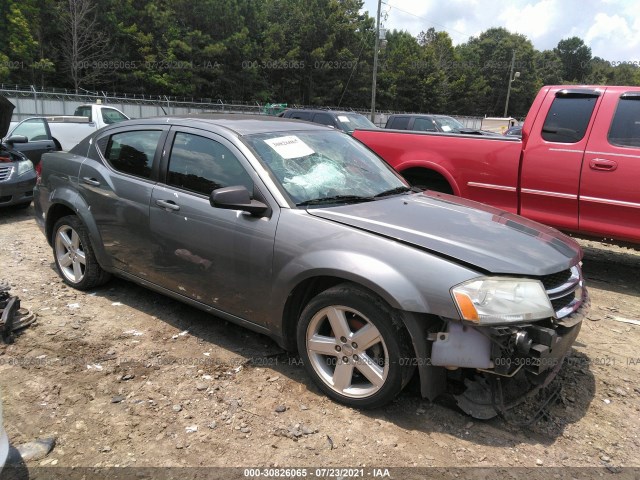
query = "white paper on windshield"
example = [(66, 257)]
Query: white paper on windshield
[(289, 147), (446, 128), (342, 118)]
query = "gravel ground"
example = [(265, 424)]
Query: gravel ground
[(122, 376)]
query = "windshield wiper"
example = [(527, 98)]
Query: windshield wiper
[(394, 191), (335, 199)]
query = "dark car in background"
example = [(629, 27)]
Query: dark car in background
[(430, 123), (17, 174), (342, 120), (300, 232)]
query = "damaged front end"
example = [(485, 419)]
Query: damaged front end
[(493, 365)]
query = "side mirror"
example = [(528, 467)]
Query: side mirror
[(16, 139), (237, 197)]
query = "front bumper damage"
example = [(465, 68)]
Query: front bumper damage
[(487, 371)]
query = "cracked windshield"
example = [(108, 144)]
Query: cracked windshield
[(325, 167)]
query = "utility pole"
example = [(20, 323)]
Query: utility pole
[(375, 64), (512, 77)]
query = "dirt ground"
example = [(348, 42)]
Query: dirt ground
[(122, 376)]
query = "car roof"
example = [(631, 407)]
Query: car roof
[(240, 124)]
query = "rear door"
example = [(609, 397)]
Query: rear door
[(118, 186), (552, 159), (609, 193)]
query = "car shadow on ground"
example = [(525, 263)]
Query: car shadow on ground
[(15, 214), (409, 411)]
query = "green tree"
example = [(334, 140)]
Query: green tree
[(576, 59)]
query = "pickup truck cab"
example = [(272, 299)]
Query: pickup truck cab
[(576, 167), (66, 131)]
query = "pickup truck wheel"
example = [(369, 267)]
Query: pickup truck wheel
[(74, 255), (354, 347)]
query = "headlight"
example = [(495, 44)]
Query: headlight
[(495, 300), (24, 166)]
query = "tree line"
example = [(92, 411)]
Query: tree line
[(304, 52)]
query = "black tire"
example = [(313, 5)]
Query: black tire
[(387, 360), (73, 254)]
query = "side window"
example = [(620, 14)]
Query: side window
[(625, 127), (301, 115), (201, 165), (400, 123), (133, 152), (568, 118), (110, 115), (324, 119), (424, 125), (34, 129)]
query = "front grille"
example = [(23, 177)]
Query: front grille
[(564, 290), (5, 172), (555, 280)]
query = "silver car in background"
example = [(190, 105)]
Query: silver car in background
[(300, 232)]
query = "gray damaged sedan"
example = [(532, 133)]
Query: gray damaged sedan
[(300, 232)]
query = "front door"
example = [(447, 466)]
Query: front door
[(222, 258)]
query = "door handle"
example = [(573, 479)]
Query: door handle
[(168, 204), (91, 181), (603, 164)]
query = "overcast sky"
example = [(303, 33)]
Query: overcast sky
[(611, 28)]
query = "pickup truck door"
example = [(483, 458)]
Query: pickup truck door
[(552, 157), (39, 139), (609, 193)]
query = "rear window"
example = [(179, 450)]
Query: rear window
[(568, 118), (133, 152), (625, 127)]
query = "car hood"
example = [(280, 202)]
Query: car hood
[(6, 111), (468, 232)]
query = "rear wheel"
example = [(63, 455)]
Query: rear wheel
[(354, 347), (74, 255)]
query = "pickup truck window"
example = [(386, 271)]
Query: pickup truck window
[(110, 115), (625, 127), (568, 118), (201, 165), (84, 111), (133, 152)]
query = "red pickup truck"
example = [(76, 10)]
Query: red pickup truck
[(577, 167)]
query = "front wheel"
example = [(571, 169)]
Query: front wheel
[(74, 255), (354, 346)]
